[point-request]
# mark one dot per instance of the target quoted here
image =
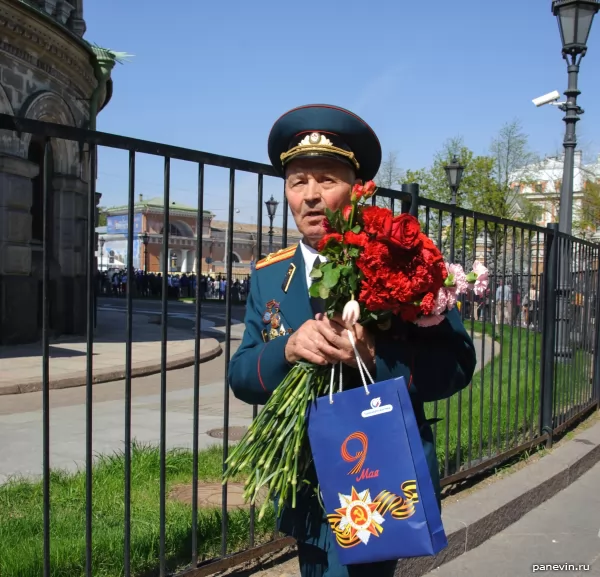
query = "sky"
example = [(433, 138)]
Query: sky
[(214, 76)]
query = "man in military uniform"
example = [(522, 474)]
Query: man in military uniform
[(321, 151)]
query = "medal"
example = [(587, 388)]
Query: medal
[(275, 320), (273, 334)]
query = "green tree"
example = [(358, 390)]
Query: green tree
[(389, 176), (102, 216), (512, 159), (587, 216)]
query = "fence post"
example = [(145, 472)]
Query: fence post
[(549, 331), (596, 348), (411, 206)]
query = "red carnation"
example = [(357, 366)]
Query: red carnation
[(334, 236), (427, 303), (352, 238), (377, 221), (347, 211)]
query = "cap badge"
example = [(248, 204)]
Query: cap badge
[(315, 139)]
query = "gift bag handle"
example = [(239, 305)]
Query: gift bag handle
[(362, 368)]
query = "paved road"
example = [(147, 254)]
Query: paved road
[(21, 418), (21, 415), (213, 312)]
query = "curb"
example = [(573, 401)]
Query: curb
[(488, 511), (79, 378)]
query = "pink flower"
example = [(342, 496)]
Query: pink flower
[(429, 320), (481, 283), (441, 302), (451, 295), (460, 278)]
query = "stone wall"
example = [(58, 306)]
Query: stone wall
[(45, 74)]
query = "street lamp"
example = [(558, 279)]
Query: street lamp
[(454, 174), (575, 22), (271, 210), (145, 238), (101, 243)]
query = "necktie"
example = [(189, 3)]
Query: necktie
[(317, 303)]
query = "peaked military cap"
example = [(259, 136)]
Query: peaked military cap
[(324, 130)]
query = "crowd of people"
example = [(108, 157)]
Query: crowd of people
[(114, 283)]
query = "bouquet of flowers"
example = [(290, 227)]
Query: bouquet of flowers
[(377, 266)]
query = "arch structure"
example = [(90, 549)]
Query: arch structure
[(50, 107), (179, 228), (9, 141)]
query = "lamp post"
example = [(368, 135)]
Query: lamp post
[(575, 22), (454, 174), (101, 243), (145, 238), (271, 210)]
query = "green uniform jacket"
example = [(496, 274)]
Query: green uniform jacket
[(437, 361)]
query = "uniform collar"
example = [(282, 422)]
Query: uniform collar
[(309, 254)]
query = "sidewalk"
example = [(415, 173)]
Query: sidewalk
[(561, 535), (21, 365)]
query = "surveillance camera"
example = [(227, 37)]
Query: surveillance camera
[(547, 98)]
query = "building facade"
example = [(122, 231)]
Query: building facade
[(148, 222), (541, 183), (47, 73)]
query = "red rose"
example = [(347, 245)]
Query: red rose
[(360, 239), (405, 232), (369, 189), (347, 211), (334, 236), (357, 192), (377, 221)]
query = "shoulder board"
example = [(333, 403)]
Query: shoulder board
[(278, 256)]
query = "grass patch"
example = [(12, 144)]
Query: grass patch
[(21, 518), (500, 409)]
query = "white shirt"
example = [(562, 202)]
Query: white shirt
[(309, 254)]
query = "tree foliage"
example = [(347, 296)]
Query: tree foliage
[(389, 176)]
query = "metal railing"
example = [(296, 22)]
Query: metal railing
[(526, 388)]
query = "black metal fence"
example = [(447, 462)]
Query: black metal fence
[(536, 333)]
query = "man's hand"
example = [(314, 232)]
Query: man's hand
[(324, 341), (314, 342), (365, 342)]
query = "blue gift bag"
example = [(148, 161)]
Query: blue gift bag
[(375, 484)]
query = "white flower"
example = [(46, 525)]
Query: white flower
[(351, 312)]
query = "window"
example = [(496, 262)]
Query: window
[(539, 188)]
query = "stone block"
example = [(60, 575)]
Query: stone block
[(19, 306), (15, 260), (15, 226), (18, 166), (12, 79), (63, 11)]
